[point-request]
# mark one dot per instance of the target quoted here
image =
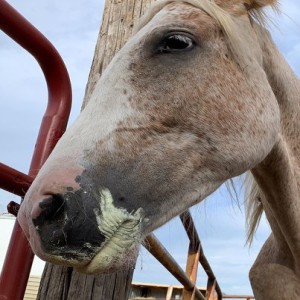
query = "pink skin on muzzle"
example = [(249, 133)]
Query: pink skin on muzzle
[(50, 181)]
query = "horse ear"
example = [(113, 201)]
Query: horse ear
[(242, 6)]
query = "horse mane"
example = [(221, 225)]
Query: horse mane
[(225, 17), (253, 207)]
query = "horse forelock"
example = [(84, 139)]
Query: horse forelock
[(210, 7)]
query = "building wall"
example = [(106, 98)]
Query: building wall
[(32, 288)]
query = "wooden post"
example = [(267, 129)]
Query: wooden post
[(63, 283), (211, 288), (169, 293), (191, 271), (117, 24)]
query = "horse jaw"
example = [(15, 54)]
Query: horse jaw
[(122, 231)]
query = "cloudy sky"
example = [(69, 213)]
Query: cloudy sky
[(72, 26)]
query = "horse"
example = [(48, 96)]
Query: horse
[(198, 95)]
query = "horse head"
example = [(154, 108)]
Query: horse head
[(184, 106)]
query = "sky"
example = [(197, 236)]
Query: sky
[(72, 26)]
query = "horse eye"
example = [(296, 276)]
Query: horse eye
[(176, 43)]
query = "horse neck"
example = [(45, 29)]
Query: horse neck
[(278, 176), (286, 87)]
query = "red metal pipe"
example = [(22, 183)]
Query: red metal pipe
[(17, 265), (58, 82), (14, 181)]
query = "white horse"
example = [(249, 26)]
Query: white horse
[(198, 95)]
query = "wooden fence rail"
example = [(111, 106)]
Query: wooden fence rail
[(194, 257)]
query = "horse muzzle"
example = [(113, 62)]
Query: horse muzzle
[(83, 229)]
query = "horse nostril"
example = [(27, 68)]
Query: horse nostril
[(66, 224), (52, 210)]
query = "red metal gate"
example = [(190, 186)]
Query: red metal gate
[(17, 265)]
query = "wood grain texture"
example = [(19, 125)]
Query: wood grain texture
[(118, 21), (63, 283)]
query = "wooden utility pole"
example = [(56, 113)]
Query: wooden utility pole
[(119, 18), (63, 283)]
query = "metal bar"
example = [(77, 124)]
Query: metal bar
[(59, 87), (17, 265), (13, 208), (152, 244), (14, 181), (193, 236)]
